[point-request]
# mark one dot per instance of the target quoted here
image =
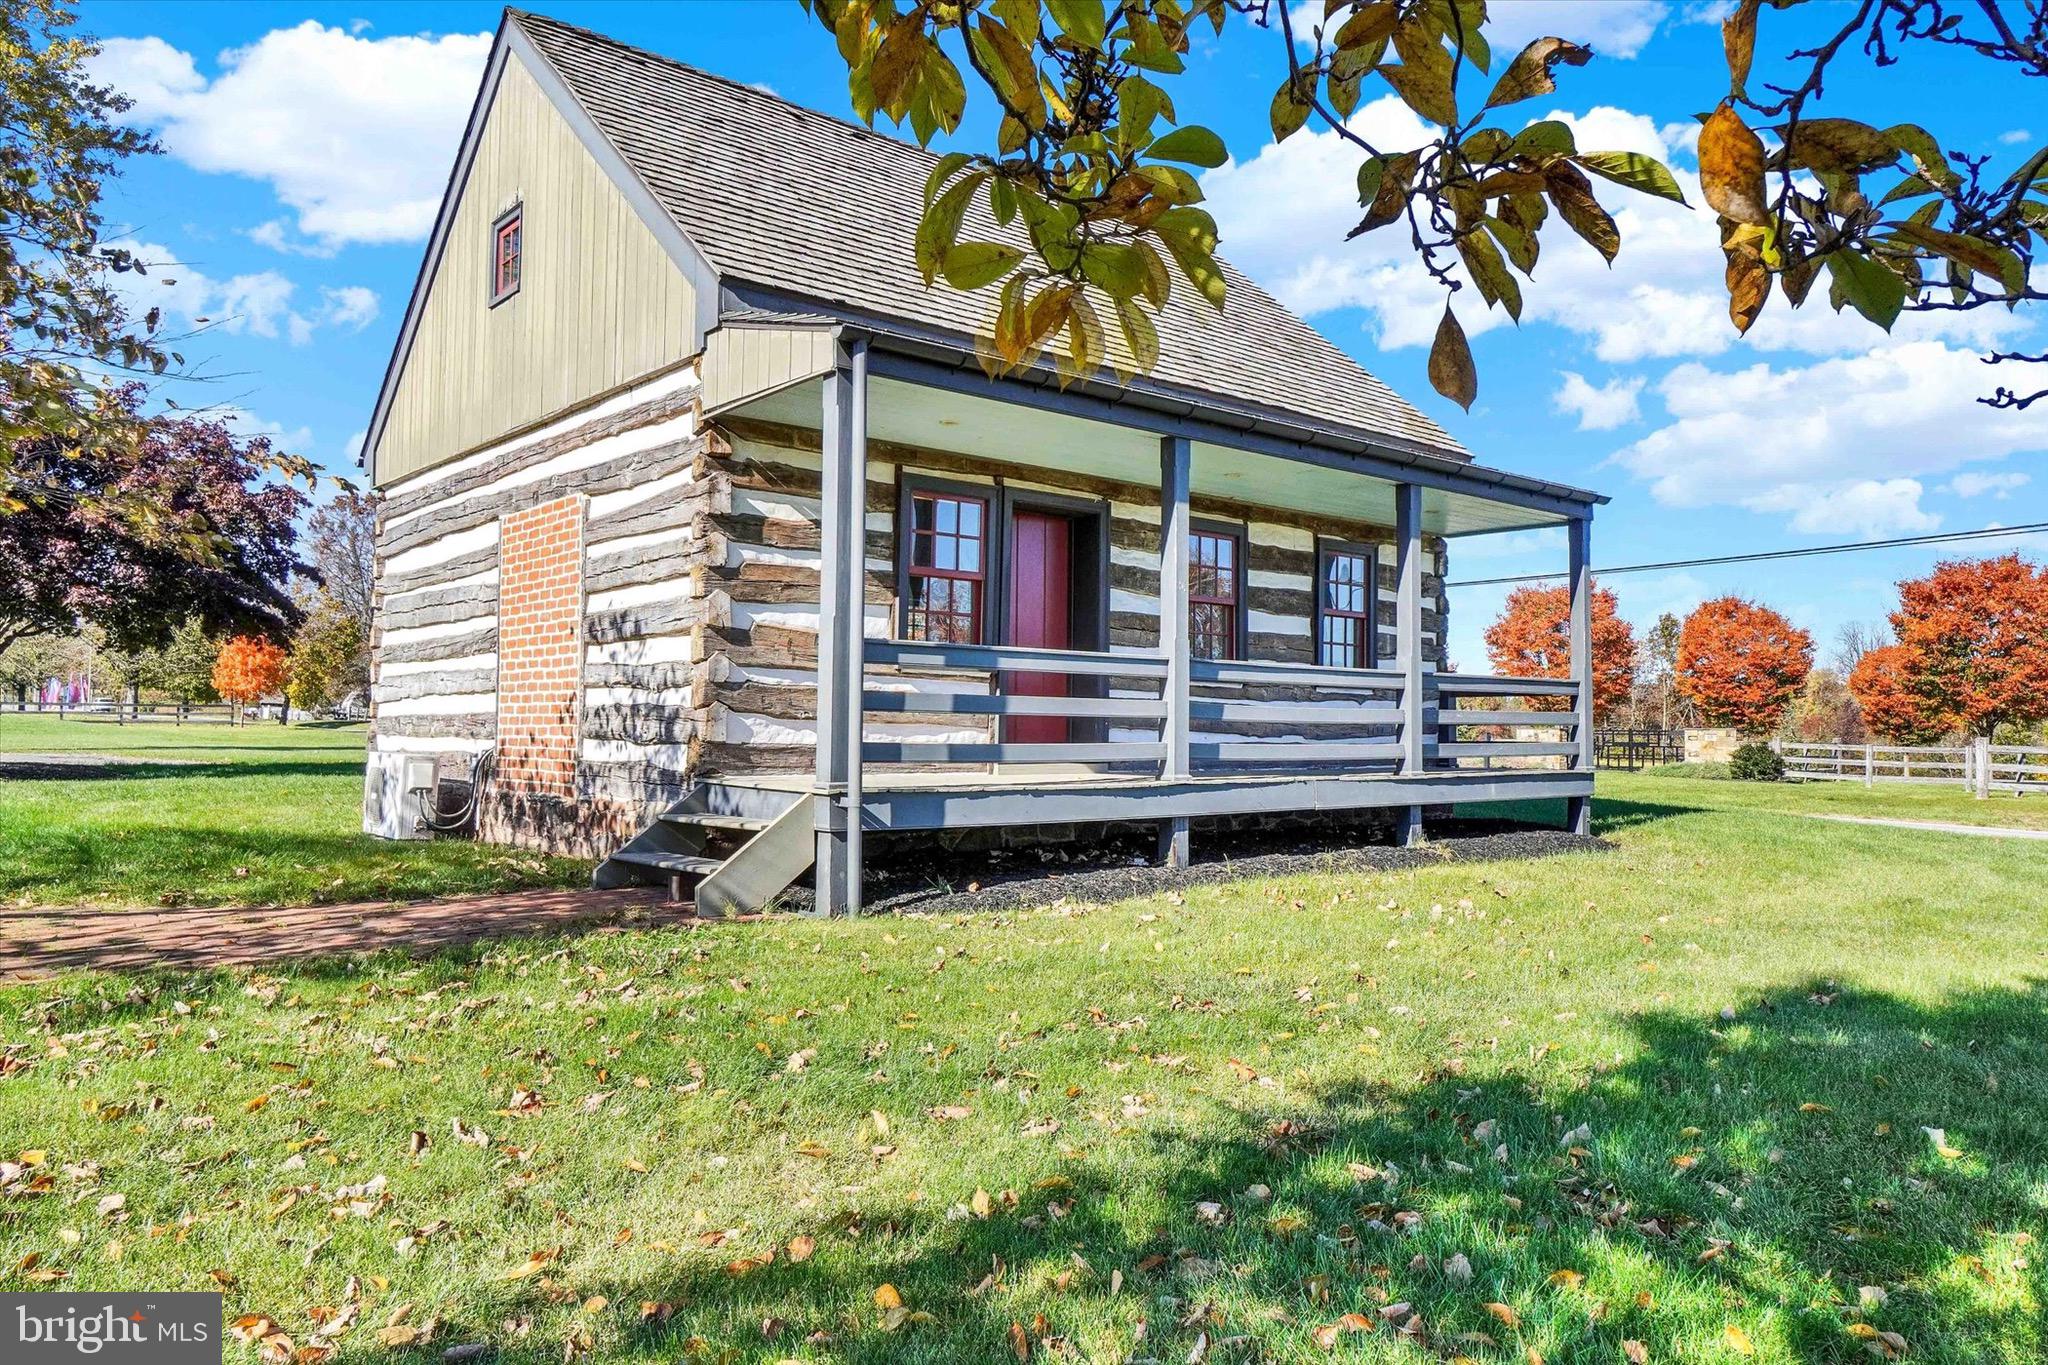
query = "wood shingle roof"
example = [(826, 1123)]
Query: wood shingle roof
[(803, 204)]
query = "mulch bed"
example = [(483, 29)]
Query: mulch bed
[(1120, 867)]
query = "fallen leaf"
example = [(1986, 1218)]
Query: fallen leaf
[(1634, 1351), (1939, 1138), (1738, 1340), (1504, 1315), (533, 1264), (801, 1248), (887, 1298)]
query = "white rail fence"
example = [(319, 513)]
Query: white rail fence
[(1980, 766)]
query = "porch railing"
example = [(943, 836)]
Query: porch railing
[(1326, 716), (1474, 701)]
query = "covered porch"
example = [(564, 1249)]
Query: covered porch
[(1114, 728)]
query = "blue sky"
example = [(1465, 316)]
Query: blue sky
[(307, 145)]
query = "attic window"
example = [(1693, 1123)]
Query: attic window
[(505, 244)]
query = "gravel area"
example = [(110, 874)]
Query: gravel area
[(1120, 867)]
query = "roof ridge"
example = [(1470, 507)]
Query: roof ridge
[(742, 88)]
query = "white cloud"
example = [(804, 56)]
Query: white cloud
[(354, 134), (1284, 213), (1613, 28), (296, 440), (1611, 405), (258, 303), (1841, 444), (1869, 508), (2014, 136), (1970, 484), (352, 306)]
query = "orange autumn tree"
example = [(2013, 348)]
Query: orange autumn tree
[(1740, 663), (1882, 684), (1532, 639), (248, 669), (1972, 652)]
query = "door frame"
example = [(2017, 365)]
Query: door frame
[(1087, 584)]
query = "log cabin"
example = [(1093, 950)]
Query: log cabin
[(710, 551)]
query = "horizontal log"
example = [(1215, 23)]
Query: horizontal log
[(436, 683), (652, 618), (436, 727), (736, 758), (665, 677), (628, 471), (441, 607), (448, 570), (664, 408), (640, 724), (444, 647), (643, 564)]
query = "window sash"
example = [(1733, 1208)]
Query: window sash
[(1215, 565), (1344, 602), (946, 594), (508, 243)]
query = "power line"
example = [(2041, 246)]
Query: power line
[(1941, 538)]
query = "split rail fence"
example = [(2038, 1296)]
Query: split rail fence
[(1981, 766)]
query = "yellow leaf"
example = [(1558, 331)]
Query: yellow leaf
[(1738, 1340), (533, 1264), (887, 1298), (253, 1105), (1504, 1315), (1567, 1279)]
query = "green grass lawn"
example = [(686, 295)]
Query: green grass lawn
[(251, 815), (1673, 1094)]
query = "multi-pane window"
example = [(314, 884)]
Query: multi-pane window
[(1212, 594), (1344, 596), (505, 239), (948, 568)]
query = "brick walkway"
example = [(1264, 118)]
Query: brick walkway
[(37, 942)]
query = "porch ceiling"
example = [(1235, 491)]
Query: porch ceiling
[(940, 419)]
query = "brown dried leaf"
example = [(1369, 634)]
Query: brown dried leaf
[(1451, 372), (1732, 168)]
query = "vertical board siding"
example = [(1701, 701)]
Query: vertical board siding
[(747, 362), (600, 302)]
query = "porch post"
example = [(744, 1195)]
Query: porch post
[(854, 638), (1415, 736), (1175, 461), (1579, 537), (841, 598)]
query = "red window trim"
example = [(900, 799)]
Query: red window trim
[(977, 613), (510, 224), (1366, 644), (1233, 604)]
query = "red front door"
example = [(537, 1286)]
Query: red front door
[(1041, 615)]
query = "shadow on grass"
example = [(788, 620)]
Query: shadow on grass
[(1610, 814), (83, 769), (1754, 1172)]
